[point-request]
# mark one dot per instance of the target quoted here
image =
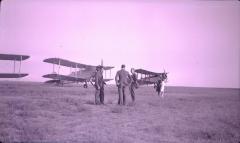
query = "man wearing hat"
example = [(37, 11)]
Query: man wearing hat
[(102, 86), (98, 84), (122, 79), (134, 84)]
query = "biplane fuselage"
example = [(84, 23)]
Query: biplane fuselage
[(86, 73)]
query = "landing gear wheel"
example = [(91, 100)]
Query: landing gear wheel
[(85, 86)]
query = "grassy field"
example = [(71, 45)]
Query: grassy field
[(35, 112)]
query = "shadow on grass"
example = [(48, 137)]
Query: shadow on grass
[(90, 102), (116, 109)]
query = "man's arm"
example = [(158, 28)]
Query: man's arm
[(130, 78), (135, 76), (96, 80), (116, 78)]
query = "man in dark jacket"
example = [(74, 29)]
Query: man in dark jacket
[(158, 86), (98, 84), (134, 84), (122, 80), (102, 87)]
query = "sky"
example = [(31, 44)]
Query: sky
[(197, 42)]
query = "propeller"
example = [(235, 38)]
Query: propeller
[(102, 62)]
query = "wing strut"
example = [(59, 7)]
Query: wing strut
[(59, 64), (70, 69), (53, 68), (76, 70), (14, 64), (20, 64), (105, 74)]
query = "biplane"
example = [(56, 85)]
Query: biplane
[(149, 77), (79, 73), (15, 59)]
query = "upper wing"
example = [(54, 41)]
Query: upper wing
[(13, 57), (66, 63), (107, 67), (61, 62), (142, 71)]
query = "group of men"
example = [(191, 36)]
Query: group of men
[(123, 80)]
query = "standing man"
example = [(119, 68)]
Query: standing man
[(102, 93), (122, 80), (134, 84), (102, 86), (98, 84), (163, 82), (162, 88), (158, 86)]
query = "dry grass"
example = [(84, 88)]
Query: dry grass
[(34, 112)]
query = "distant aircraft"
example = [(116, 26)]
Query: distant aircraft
[(150, 77), (82, 73), (14, 58)]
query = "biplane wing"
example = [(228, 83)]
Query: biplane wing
[(12, 57), (12, 75), (146, 72), (142, 82), (67, 63), (52, 81), (55, 76), (148, 80), (107, 67), (106, 80)]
